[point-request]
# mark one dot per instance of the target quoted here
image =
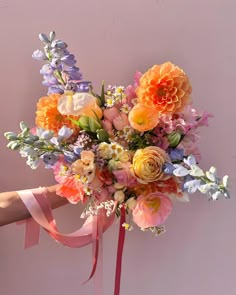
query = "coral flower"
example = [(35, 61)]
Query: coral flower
[(48, 116), (71, 189), (165, 87), (148, 164), (151, 210), (143, 118)]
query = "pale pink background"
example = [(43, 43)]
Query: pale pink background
[(113, 39)]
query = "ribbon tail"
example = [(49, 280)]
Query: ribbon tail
[(95, 247), (32, 232), (120, 248)]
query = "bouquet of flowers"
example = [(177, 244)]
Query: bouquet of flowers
[(127, 150)]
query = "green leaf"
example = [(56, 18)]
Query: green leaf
[(103, 94), (102, 135), (73, 121)]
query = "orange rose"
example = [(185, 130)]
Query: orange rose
[(143, 118), (148, 164), (165, 87)]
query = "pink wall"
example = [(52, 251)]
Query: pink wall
[(112, 40)]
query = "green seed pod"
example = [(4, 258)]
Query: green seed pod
[(102, 135), (174, 139)]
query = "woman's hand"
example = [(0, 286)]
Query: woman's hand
[(12, 208)]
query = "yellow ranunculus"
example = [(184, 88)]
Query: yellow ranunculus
[(148, 164)]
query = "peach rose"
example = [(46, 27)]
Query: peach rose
[(143, 118), (148, 164), (165, 87), (85, 167), (151, 210)]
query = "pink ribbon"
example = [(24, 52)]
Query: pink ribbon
[(39, 208), (37, 203)]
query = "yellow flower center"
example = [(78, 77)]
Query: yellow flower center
[(153, 204)]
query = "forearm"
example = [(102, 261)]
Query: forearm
[(12, 208)]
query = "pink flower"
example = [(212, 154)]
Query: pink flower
[(151, 210), (203, 121), (107, 125), (130, 90), (71, 189), (61, 171), (121, 121), (125, 176), (111, 113)]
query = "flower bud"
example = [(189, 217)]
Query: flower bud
[(94, 125), (174, 139), (52, 35), (131, 203), (47, 134), (84, 123), (10, 135), (23, 126), (14, 145), (119, 196), (43, 38)]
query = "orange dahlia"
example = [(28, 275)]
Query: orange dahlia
[(48, 116), (165, 87)]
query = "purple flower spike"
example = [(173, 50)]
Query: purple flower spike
[(69, 60), (39, 55), (176, 154), (168, 168), (49, 159)]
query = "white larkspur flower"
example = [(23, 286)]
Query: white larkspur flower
[(196, 171), (180, 171), (225, 181)]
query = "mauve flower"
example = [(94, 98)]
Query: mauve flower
[(111, 113), (49, 159), (47, 69), (49, 80), (152, 210), (107, 125), (69, 60), (121, 121), (124, 175)]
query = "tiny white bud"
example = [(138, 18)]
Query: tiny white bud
[(119, 196)]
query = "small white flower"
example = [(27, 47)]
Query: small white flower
[(196, 171), (180, 170), (225, 181), (205, 188)]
